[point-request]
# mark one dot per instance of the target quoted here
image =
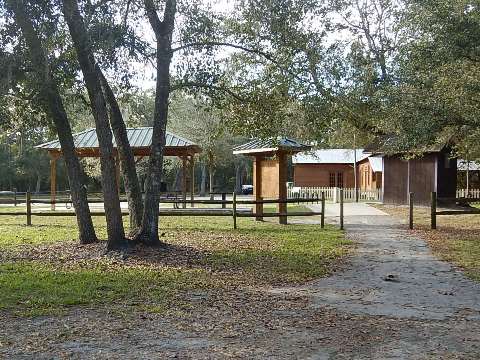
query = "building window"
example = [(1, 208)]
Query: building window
[(340, 180), (332, 180)]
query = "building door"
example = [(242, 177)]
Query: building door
[(336, 179)]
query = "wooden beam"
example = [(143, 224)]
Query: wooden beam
[(257, 186), (192, 180), (184, 182), (53, 179), (282, 186)]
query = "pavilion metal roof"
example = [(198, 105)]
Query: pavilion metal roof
[(138, 138), (270, 145)]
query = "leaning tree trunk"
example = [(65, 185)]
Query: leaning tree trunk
[(127, 161), (163, 33), (203, 183), (115, 230), (54, 107)]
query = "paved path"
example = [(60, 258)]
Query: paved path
[(395, 274)]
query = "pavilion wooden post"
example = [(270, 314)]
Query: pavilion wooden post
[(257, 187), (192, 180), (184, 182), (29, 208), (282, 187), (53, 179)]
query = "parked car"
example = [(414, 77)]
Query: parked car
[(247, 189)]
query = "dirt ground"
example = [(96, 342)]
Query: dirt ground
[(393, 300)]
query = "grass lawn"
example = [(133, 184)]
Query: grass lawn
[(44, 270), (457, 238)]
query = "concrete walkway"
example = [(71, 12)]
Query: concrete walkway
[(349, 209), (395, 274)]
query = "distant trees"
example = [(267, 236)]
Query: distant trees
[(316, 70)]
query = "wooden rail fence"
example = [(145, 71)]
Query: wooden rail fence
[(233, 212), (464, 201)]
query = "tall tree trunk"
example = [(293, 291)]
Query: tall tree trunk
[(39, 182), (115, 230), (163, 33), (54, 107), (239, 168), (203, 183), (177, 185), (211, 173), (127, 160)]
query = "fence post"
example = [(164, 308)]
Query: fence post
[(234, 210), (322, 217), (29, 208), (15, 196), (341, 209), (224, 198), (410, 213), (433, 214)]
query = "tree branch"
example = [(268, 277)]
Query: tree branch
[(153, 16), (226, 44), (207, 86)]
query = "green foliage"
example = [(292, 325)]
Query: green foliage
[(37, 288)]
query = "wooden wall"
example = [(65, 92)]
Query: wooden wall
[(431, 172), (447, 176), (395, 173), (319, 174), (270, 177), (422, 178), (367, 179)]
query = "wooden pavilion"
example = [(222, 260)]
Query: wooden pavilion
[(140, 139), (270, 168)]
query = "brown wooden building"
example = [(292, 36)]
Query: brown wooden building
[(370, 173), (434, 171), (335, 168)]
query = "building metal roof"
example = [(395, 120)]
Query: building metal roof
[(270, 145), (138, 138), (472, 165), (376, 162), (329, 156)]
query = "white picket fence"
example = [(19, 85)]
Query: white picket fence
[(333, 193), (472, 193)]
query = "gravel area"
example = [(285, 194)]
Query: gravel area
[(392, 300)]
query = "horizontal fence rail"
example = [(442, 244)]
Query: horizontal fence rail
[(233, 212), (461, 200)]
